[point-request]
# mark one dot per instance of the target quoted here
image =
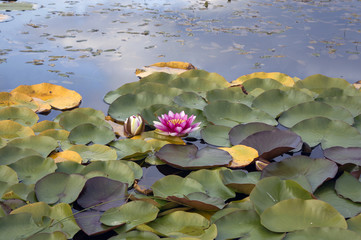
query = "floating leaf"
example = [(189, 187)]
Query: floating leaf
[(69, 167), (298, 214), (280, 77), (10, 129), (89, 222), (345, 206), (343, 155), (42, 144), (8, 177), (200, 201), (263, 83), (49, 236), (270, 144), (329, 233), (189, 157), (57, 96), (136, 235), (94, 152), (45, 125), (101, 194), (131, 214), (5, 18), (242, 155), (73, 119), (87, 132), (241, 223), (276, 101), (240, 132), (18, 191), (233, 94), (354, 224), (66, 156), (216, 135), (269, 191), (357, 123), (231, 114), (61, 136), (31, 169), (309, 173), (329, 133), (173, 67), (351, 103), (319, 82), (87, 111), (18, 226), (16, 6), (10, 154), (132, 148), (312, 109), (190, 100), (22, 115), (18, 100), (240, 181), (349, 187)]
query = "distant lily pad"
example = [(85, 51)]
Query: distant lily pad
[(17, 6), (319, 82), (22, 115), (189, 157), (329, 133), (45, 125), (200, 201), (87, 111), (131, 148), (231, 114), (309, 173), (280, 77), (87, 132), (343, 155)]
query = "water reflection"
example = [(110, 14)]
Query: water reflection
[(95, 46)]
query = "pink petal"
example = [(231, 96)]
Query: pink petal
[(171, 114)]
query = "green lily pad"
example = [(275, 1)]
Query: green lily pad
[(18, 226), (132, 104), (243, 223), (113, 169), (329, 133), (125, 89), (102, 193), (312, 109), (8, 177), (318, 83), (240, 132), (309, 173), (59, 187), (231, 114), (16, 6), (136, 235), (87, 132), (180, 224), (276, 101), (239, 180), (298, 214), (190, 100), (10, 154), (357, 123), (212, 182), (87, 111), (49, 236), (173, 185), (60, 135), (272, 190), (200, 201), (328, 233), (345, 206), (31, 169), (244, 204), (351, 103), (131, 148), (189, 157), (216, 135), (343, 155), (349, 187), (10, 129), (271, 144), (73, 119), (18, 191), (42, 144), (354, 224), (94, 152), (263, 83), (130, 214), (22, 115), (233, 94), (45, 125), (69, 167)]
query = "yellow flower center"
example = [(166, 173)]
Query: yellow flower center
[(176, 121)]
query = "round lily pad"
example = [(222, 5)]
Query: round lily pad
[(233, 94), (131, 148), (263, 83), (190, 100), (328, 233), (45, 125), (240, 132), (42, 144), (216, 135), (22, 115), (10, 154), (73, 119), (319, 82), (189, 157), (200, 201), (17, 99), (242, 155), (10, 129), (351, 103), (86, 111), (354, 224), (94, 152), (87, 132)]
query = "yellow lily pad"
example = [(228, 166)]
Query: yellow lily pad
[(280, 77), (43, 106), (57, 96), (173, 67), (242, 155), (10, 129), (66, 156), (18, 100)]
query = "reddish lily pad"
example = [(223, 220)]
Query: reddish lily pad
[(200, 201), (190, 157), (240, 132), (343, 155)]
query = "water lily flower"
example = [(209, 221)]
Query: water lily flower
[(134, 125), (176, 124)]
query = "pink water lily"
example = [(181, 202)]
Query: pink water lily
[(176, 124)]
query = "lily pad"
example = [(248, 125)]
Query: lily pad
[(243, 223), (87, 111), (216, 135), (357, 123), (10, 129), (328, 233), (271, 144), (173, 67), (61, 136), (298, 214), (10, 154), (131, 148), (343, 155), (73, 119), (232, 94), (312, 109), (190, 100), (280, 77), (31, 169), (94, 152), (87, 132), (329, 133), (45, 125), (69, 167), (242, 155), (22, 115), (319, 82), (18, 226), (136, 235), (16, 6), (354, 224), (66, 156), (42, 144), (199, 201), (309, 173), (272, 190), (18, 100), (231, 114), (351, 103), (189, 157), (49, 236), (276, 101), (101, 194), (240, 132), (239, 180), (263, 83), (89, 222), (349, 187)]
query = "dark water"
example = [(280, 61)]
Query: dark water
[(95, 46)]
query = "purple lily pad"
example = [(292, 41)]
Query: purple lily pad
[(343, 155)]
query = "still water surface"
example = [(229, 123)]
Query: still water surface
[(95, 46)]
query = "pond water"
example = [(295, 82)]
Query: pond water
[(95, 46)]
